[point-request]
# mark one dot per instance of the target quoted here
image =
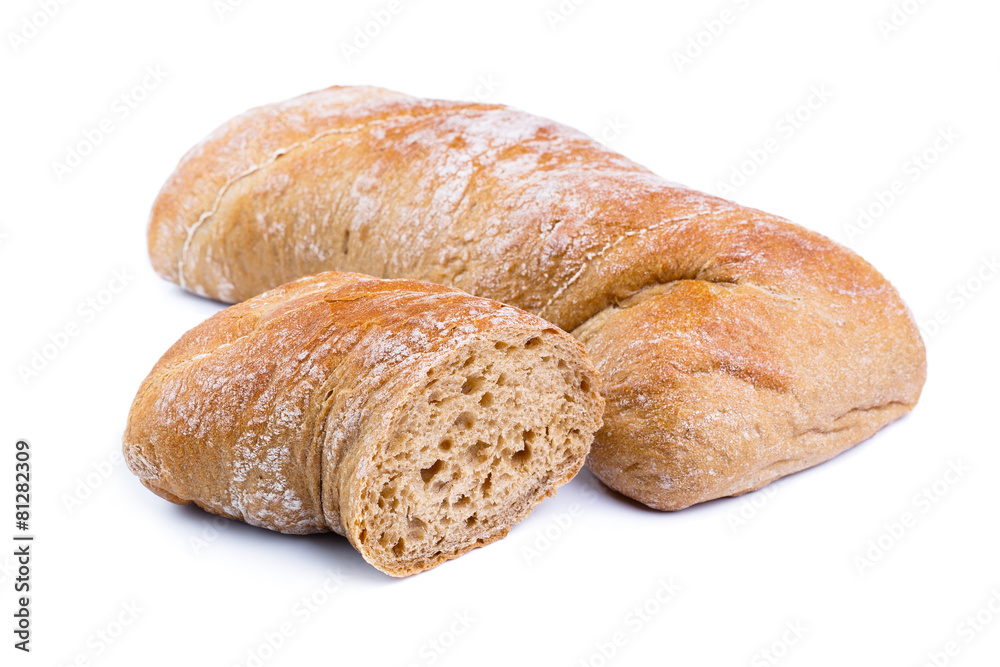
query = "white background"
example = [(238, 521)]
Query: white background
[(211, 592)]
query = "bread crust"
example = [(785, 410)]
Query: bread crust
[(276, 411), (737, 346)]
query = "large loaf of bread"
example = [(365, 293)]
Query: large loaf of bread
[(417, 420), (735, 347)]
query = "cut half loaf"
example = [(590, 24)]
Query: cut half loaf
[(416, 420)]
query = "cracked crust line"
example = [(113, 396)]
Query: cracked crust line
[(606, 248), (617, 305), (203, 218), (833, 429)]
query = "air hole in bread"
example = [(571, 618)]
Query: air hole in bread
[(520, 458), (418, 528), (427, 474), (472, 384), (477, 453), (399, 547)]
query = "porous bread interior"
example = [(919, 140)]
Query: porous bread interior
[(497, 428)]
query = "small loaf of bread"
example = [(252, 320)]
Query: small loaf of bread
[(735, 346), (416, 420)]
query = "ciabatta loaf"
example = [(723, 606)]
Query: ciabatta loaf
[(735, 346), (417, 420)]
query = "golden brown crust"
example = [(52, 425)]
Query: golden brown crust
[(276, 411), (517, 208)]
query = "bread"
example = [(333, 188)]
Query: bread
[(735, 346), (417, 420)]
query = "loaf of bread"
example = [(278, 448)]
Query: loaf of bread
[(735, 346), (416, 420)]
